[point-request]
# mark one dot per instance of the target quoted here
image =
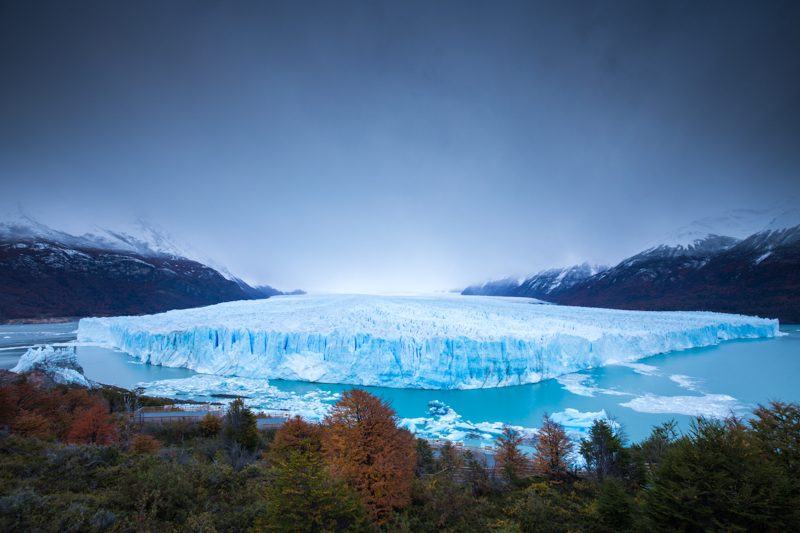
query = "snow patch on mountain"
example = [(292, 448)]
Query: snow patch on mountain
[(142, 238), (737, 223)]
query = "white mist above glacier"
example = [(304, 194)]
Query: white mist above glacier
[(432, 342)]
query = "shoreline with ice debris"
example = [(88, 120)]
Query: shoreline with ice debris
[(435, 342)]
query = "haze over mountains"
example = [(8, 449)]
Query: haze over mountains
[(743, 262), (48, 274)]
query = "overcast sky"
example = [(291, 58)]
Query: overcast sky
[(367, 146)]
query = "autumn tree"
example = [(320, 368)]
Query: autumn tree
[(32, 424), (295, 435), (364, 447), (93, 426), (509, 458), (554, 448)]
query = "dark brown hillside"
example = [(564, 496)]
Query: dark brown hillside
[(757, 276), (42, 279)]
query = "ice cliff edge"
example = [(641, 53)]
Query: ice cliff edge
[(438, 342)]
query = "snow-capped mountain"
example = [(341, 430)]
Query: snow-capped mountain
[(47, 273), (759, 275), (737, 223), (499, 287), (710, 267), (541, 285), (141, 238)]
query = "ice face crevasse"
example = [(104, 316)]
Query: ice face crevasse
[(441, 342)]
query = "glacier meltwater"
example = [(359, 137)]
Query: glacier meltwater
[(430, 342)]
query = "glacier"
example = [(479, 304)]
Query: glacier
[(429, 342)]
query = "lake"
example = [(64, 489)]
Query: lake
[(714, 381)]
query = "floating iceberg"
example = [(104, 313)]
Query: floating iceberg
[(257, 394), (707, 405), (433, 342), (61, 364), (444, 423)]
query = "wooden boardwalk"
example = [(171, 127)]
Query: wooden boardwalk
[(166, 416)]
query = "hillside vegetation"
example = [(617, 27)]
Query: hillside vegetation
[(73, 459)]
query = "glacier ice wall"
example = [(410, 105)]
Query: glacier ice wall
[(437, 342)]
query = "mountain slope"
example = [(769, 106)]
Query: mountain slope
[(542, 285), (759, 275), (45, 273), (47, 279), (756, 275)]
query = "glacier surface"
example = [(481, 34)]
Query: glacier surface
[(431, 342)]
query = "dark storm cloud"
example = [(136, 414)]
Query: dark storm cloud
[(399, 145)]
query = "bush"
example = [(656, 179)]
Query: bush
[(718, 478), (241, 427), (302, 496), (614, 506), (145, 444), (210, 425)]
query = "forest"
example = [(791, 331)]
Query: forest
[(76, 459)]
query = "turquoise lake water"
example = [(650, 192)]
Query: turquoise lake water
[(734, 376)]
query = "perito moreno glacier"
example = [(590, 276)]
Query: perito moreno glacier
[(431, 342)]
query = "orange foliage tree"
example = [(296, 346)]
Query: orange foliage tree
[(295, 435), (364, 447), (31, 424), (93, 426), (145, 444), (210, 425), (63, 413), (553, 450), (508, 457)]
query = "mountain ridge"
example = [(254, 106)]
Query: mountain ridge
[(48, 274), (756, 275)]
